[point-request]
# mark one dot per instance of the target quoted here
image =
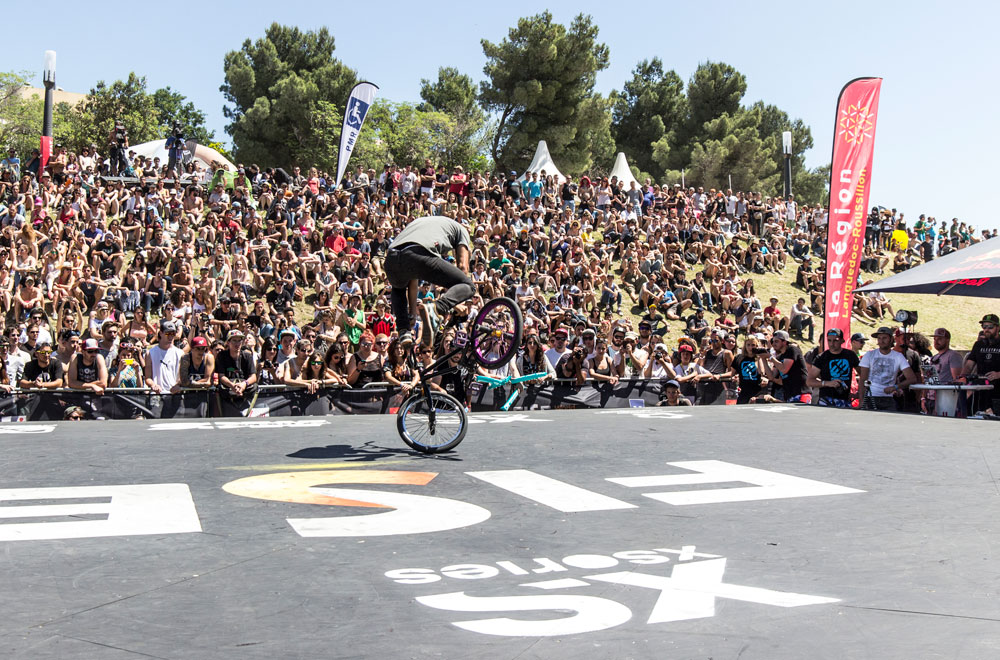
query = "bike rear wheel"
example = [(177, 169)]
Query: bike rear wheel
[(431, 425), (496, 333)]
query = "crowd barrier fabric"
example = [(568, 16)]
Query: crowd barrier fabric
[(280, 401)]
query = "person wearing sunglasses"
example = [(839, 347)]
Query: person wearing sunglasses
[(883, 365), (833, 370), (42, 371), (87, 369), (984, 359), (335, 361), (162, 366), (198, 365)]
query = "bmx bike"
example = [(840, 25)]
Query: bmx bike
[(432, 421), (493, 383)]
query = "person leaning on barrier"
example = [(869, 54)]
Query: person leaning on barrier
[(126, 369), (87, 369), (984, 359), (630, 359), (833, 371), (197, 366), (162, 365), (42, 371), (883, 364), (235, 367), (294, 371)]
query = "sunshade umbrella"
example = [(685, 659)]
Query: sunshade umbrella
[(972, 271)]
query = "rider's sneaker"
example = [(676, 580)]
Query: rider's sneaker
[(406, 340)]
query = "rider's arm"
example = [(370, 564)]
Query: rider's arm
[(462, 258)]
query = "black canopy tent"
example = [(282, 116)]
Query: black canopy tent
[(973, 271)]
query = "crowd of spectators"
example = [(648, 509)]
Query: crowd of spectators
[(260, 276)]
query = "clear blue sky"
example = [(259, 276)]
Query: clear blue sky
[(935, 147)]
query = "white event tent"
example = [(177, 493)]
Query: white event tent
[(622, 171), (543, 161)]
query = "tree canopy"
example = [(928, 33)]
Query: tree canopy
[(274, 87), (540, 82)]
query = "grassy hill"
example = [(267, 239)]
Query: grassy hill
[(957, 313)]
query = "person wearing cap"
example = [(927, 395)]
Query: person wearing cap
[(774, 317), (659, 366), (235, 367), (688, 372), (833, 370), (882, 366), (858, 341), (947, 364), (87, 369), (786, 368), (163, 361), (74, 414), (42, 372), (557, 345), (671, 396), (198, 365), (630, 359), (984, 360)]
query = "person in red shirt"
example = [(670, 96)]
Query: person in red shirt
[(336, 241), (773, 316), (456, 184)]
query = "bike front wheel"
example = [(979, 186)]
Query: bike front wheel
[(431, 424)]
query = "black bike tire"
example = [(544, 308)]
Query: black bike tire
[(518, 331), (415, 443)]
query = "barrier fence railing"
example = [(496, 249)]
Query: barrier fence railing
[(283, 400)]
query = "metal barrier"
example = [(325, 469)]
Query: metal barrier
[(284, 400)]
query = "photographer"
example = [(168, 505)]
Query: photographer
[(659, 366), (175, 152), (717, 361), (750, 369), (117, 146), (629, 359), (570, 366)]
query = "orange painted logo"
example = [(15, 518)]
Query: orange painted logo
[(297, 486), (856, 124)]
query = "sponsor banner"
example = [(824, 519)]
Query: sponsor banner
[(358, 104), (850, 186)]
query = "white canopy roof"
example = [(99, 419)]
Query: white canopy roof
[(201, 153), (622, 171), (543, 161)]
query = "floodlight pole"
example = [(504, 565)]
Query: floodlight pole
[(49, 80), (786, 147)]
